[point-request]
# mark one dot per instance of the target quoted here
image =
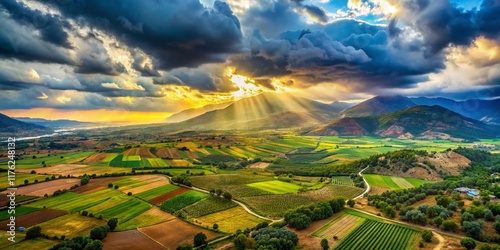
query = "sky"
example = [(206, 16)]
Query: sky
[(141, 61)]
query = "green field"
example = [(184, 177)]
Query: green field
[(208, 206), (182, 200), (20, 178), (378, 235), (393, 182), (110, 157), (276, 187), (20, 210), (155, 192), (125, 161), (74, 202), (342, 180), (157, 162), (53, 159)]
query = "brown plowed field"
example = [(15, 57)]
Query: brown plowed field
[(31, 219), (95, 158), (130, 240), (142, 152), (168, 195), (174, 233)]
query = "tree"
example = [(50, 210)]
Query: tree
[(351, 203), (94, 245), (427, 235), (218, 192), (99, 232), (299, 221), (468, 243), (26, 182), (324, 244), (239, 242), (185, 247), (488, 214), (85, 179), (275, 238), (449, 225), (110, 185), (116, 187), (466, 217), (496, 225), (443, 200), (227, 196), (34, 232), (472, 228), (390, 212), (200, 239), (215, 226), (438, 221), (112, 223)]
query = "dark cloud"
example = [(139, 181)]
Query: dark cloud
[(178, 33), (313, 10), (196, 79), (141, 64), (51, 27), (93, 58), (23, 43)]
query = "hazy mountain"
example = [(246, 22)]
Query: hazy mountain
[(379, 105), (429, 122), (13, 127), (339, 106), (63, 123), (487, 111), (267, 110), (191, 113)]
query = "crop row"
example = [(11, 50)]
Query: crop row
[(378, 235)]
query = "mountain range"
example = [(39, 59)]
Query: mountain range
[(385, 116), (13, 127), (56, 124)]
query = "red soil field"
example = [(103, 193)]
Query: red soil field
[(168, 195), (31, 219), (130, 240), (171, 153), (46, 187), (175, 232)]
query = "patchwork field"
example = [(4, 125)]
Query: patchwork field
[(22, 210), (209, 205), (36, 161), (276, 187), (77, 170), (392, 182), (180, 201), (70, 225), (230, 220), (20, 178), (167, 233), (46, 187), (38, 243), (159, 199), (379, 235), (131, 239), (157, 191), (33, 218), (151, 217), (342, 180), (341, 226)]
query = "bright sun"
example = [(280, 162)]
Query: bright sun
[(246, 86)]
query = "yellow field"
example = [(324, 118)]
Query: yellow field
[(151, 217), (70, 225), (230, 220)]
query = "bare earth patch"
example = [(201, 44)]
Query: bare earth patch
[(168, 195), (176, 232), (260, 165), (130, 240), (31, 219), (95, 185)]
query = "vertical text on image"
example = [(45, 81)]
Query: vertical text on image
[(11, 195)]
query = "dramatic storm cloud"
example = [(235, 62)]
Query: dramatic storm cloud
[(169, 55)]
